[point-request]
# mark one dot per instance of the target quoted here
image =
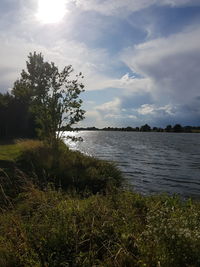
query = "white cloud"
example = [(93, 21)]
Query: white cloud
[(111, 106), (91, 62), (93, 118), (170, 70), (120, 117), (13, 53), (147, 109), (127, 83), (171, 64), (133, 84)]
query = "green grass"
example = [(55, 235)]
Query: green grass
[(11, 152), (117, 229)]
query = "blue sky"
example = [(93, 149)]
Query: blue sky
[(140, 58)]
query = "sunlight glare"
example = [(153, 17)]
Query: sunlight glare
[(51, 11)]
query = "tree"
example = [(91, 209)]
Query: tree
[(168, 128), (145, 128), (177, 128), (15, 121), (53, 97)]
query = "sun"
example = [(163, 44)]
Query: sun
[(51, 11)]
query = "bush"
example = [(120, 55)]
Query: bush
[(68, 169)]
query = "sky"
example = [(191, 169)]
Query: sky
[(140, 58)]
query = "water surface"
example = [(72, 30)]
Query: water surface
[(152, 162)]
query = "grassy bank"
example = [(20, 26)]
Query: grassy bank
[(74, 212), (39, 164)]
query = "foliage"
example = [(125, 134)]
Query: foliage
[(72, 169), (15, 120), (35, 160), (118, 229), (177, 128), (145, 128), (52, 96), (12, 179)]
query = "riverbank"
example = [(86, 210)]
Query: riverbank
[(75, 212)]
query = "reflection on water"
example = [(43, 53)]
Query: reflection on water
[(152, 162)]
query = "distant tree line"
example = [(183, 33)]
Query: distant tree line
[(177, 128)]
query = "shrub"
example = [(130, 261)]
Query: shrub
[(68, 169)]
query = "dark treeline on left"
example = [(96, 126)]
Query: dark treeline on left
[(16, 121)]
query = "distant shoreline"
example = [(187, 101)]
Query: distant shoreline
[(187, 129)]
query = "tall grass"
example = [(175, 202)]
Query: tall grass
[(68, 169), (37, 163), (118, 229)]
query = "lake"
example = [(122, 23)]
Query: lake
[(152, 162)]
